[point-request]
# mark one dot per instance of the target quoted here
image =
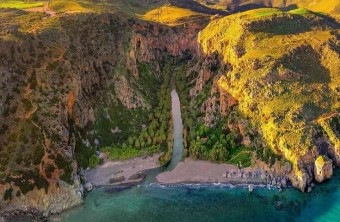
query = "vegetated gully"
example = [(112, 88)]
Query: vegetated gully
[(178, 145)]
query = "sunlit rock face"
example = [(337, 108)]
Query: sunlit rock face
[(323, 168)]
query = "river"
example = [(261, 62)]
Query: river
[(178, 148), (215, 202)]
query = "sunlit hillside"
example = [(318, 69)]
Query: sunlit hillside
[(69, 6), (172, 15), (20, 4), (129, 7), (285, 74)]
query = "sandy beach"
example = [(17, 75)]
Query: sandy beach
[(114, 172), (131, 172), (199, 171)]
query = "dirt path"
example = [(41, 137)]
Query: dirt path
[(45, 8)]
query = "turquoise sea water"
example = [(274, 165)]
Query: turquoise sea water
[(209, 203)]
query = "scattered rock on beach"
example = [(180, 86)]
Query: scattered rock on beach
[(137, 176), (117, 179)]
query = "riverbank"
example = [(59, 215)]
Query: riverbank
[(122, 172)]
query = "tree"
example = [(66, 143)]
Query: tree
[(137, 144), (149, 141), (93, 161)]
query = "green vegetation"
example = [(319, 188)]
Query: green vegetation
[(93, 161), (68, 6), (8, 194), (300, 11), (121, 153), (218, 145), (150, 136), (20, 4), (128, 7), (215, 143)]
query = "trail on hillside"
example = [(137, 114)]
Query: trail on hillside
[(45, 8)]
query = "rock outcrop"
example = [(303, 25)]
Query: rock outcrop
[(323, 168)]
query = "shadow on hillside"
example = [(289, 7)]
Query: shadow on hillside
[(197, 7), (289, 8), (292, 24), (243, 8)]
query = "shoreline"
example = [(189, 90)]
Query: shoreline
[(129, 173), (203, 172), (122, 172), (189, 172)]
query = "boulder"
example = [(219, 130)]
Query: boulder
[(263, 176), (284, 182), (138, 176), (88, 187), (287, 167), (251, 188), (299, 179), (117, 179), (323, 168)]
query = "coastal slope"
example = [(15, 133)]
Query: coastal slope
[(284, 78)]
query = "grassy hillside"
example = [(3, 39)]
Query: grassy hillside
[(285, 75), (69, 6), (171, 15), (20, 4), (129, 7)]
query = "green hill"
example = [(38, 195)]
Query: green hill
[(284, 74)]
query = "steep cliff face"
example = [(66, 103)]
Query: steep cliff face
[(70, 84)]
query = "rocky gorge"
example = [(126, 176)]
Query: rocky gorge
[(77, 83)]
